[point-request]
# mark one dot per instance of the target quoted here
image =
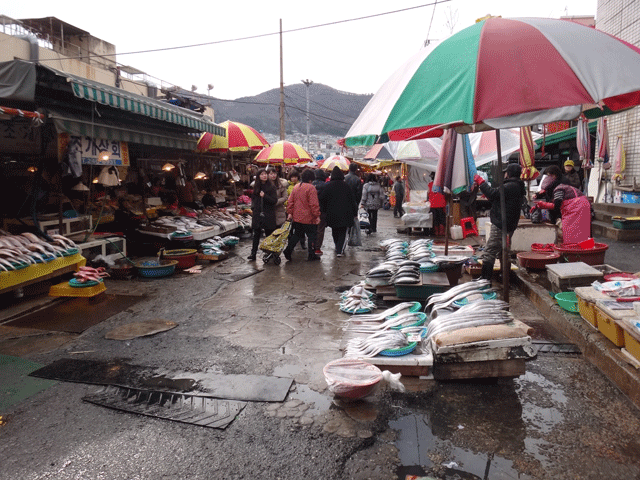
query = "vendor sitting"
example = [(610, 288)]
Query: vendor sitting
[(571, 176)]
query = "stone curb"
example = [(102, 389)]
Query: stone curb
[(595, 347)]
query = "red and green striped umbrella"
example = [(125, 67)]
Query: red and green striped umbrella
[(503, 73), (283, 152), (239, 138)]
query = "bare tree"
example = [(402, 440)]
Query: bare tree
[(451, 19)]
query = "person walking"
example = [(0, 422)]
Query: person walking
[(304, 211), (353, 180), (281, 190), (339, 204), (570, 204), (372, 196), (398, 189), (294, 180), (320, 183), (263, 206), (514, 193)]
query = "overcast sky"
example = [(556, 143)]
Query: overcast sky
[(354, 56)]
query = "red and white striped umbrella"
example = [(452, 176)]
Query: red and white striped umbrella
[(283, 153), (239, 138)]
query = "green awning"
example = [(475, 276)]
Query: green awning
[(139, 104), (73, 125), (564, 135)]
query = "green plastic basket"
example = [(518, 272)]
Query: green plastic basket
[(568, 301), (398, 352)]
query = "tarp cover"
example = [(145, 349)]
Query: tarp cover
[(17, 81)]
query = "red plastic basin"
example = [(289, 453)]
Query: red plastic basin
[(590, 256)]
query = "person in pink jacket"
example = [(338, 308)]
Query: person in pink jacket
[(303, 210)]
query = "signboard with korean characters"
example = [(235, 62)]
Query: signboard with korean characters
[(95, 151)]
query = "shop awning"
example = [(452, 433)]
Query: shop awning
[(564, 135), (139, 104), (75, 125)]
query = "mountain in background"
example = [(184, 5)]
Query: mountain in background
[(331, 111)]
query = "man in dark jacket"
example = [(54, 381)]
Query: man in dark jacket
[(320, 183), (337, 201), (353, 180), (514, 192)]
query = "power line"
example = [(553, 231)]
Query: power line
[(323, 106), (252, 37), (293, 105)]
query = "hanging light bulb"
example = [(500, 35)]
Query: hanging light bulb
[(200, 176), (32, 169), (95, 180), (103, 156), (167, 167)]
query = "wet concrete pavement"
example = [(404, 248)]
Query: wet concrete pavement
[(562, 419)]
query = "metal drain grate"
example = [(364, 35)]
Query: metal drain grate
[(196, 410), (543, 346)]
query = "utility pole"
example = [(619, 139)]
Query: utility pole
[(308, 83), (281, 88)]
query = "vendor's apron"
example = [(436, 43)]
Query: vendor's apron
[(576, 219)]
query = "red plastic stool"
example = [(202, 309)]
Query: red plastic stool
[(469, 227)]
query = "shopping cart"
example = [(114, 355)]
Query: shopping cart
[(363, 217), (274, 244)]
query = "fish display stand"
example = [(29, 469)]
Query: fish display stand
[(42, 271), (567, 276), (430, 283)]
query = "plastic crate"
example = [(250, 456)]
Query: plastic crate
[(587, 308), (631, 340), (626, 223), (609, 327)]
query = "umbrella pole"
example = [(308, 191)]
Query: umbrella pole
[(503, 213), (447, 225)]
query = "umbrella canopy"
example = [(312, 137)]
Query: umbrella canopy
[(456, 165), (239, 138), (583, 142), (603, 143), (527, 155), (619, 159), (379, 152), (480, 78), (283, 153), (339, 161), (425, 153)]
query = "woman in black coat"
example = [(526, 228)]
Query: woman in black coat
[(263, 206), (339, 205)]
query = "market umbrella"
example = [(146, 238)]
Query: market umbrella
[(527, 155), (424, 153), (583, 142), (505, 73), (283, 153), (239, 138), (380, 152), (619, 159), (339, 161)]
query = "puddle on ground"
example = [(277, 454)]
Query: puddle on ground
[(458, 429), (318, 402)]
